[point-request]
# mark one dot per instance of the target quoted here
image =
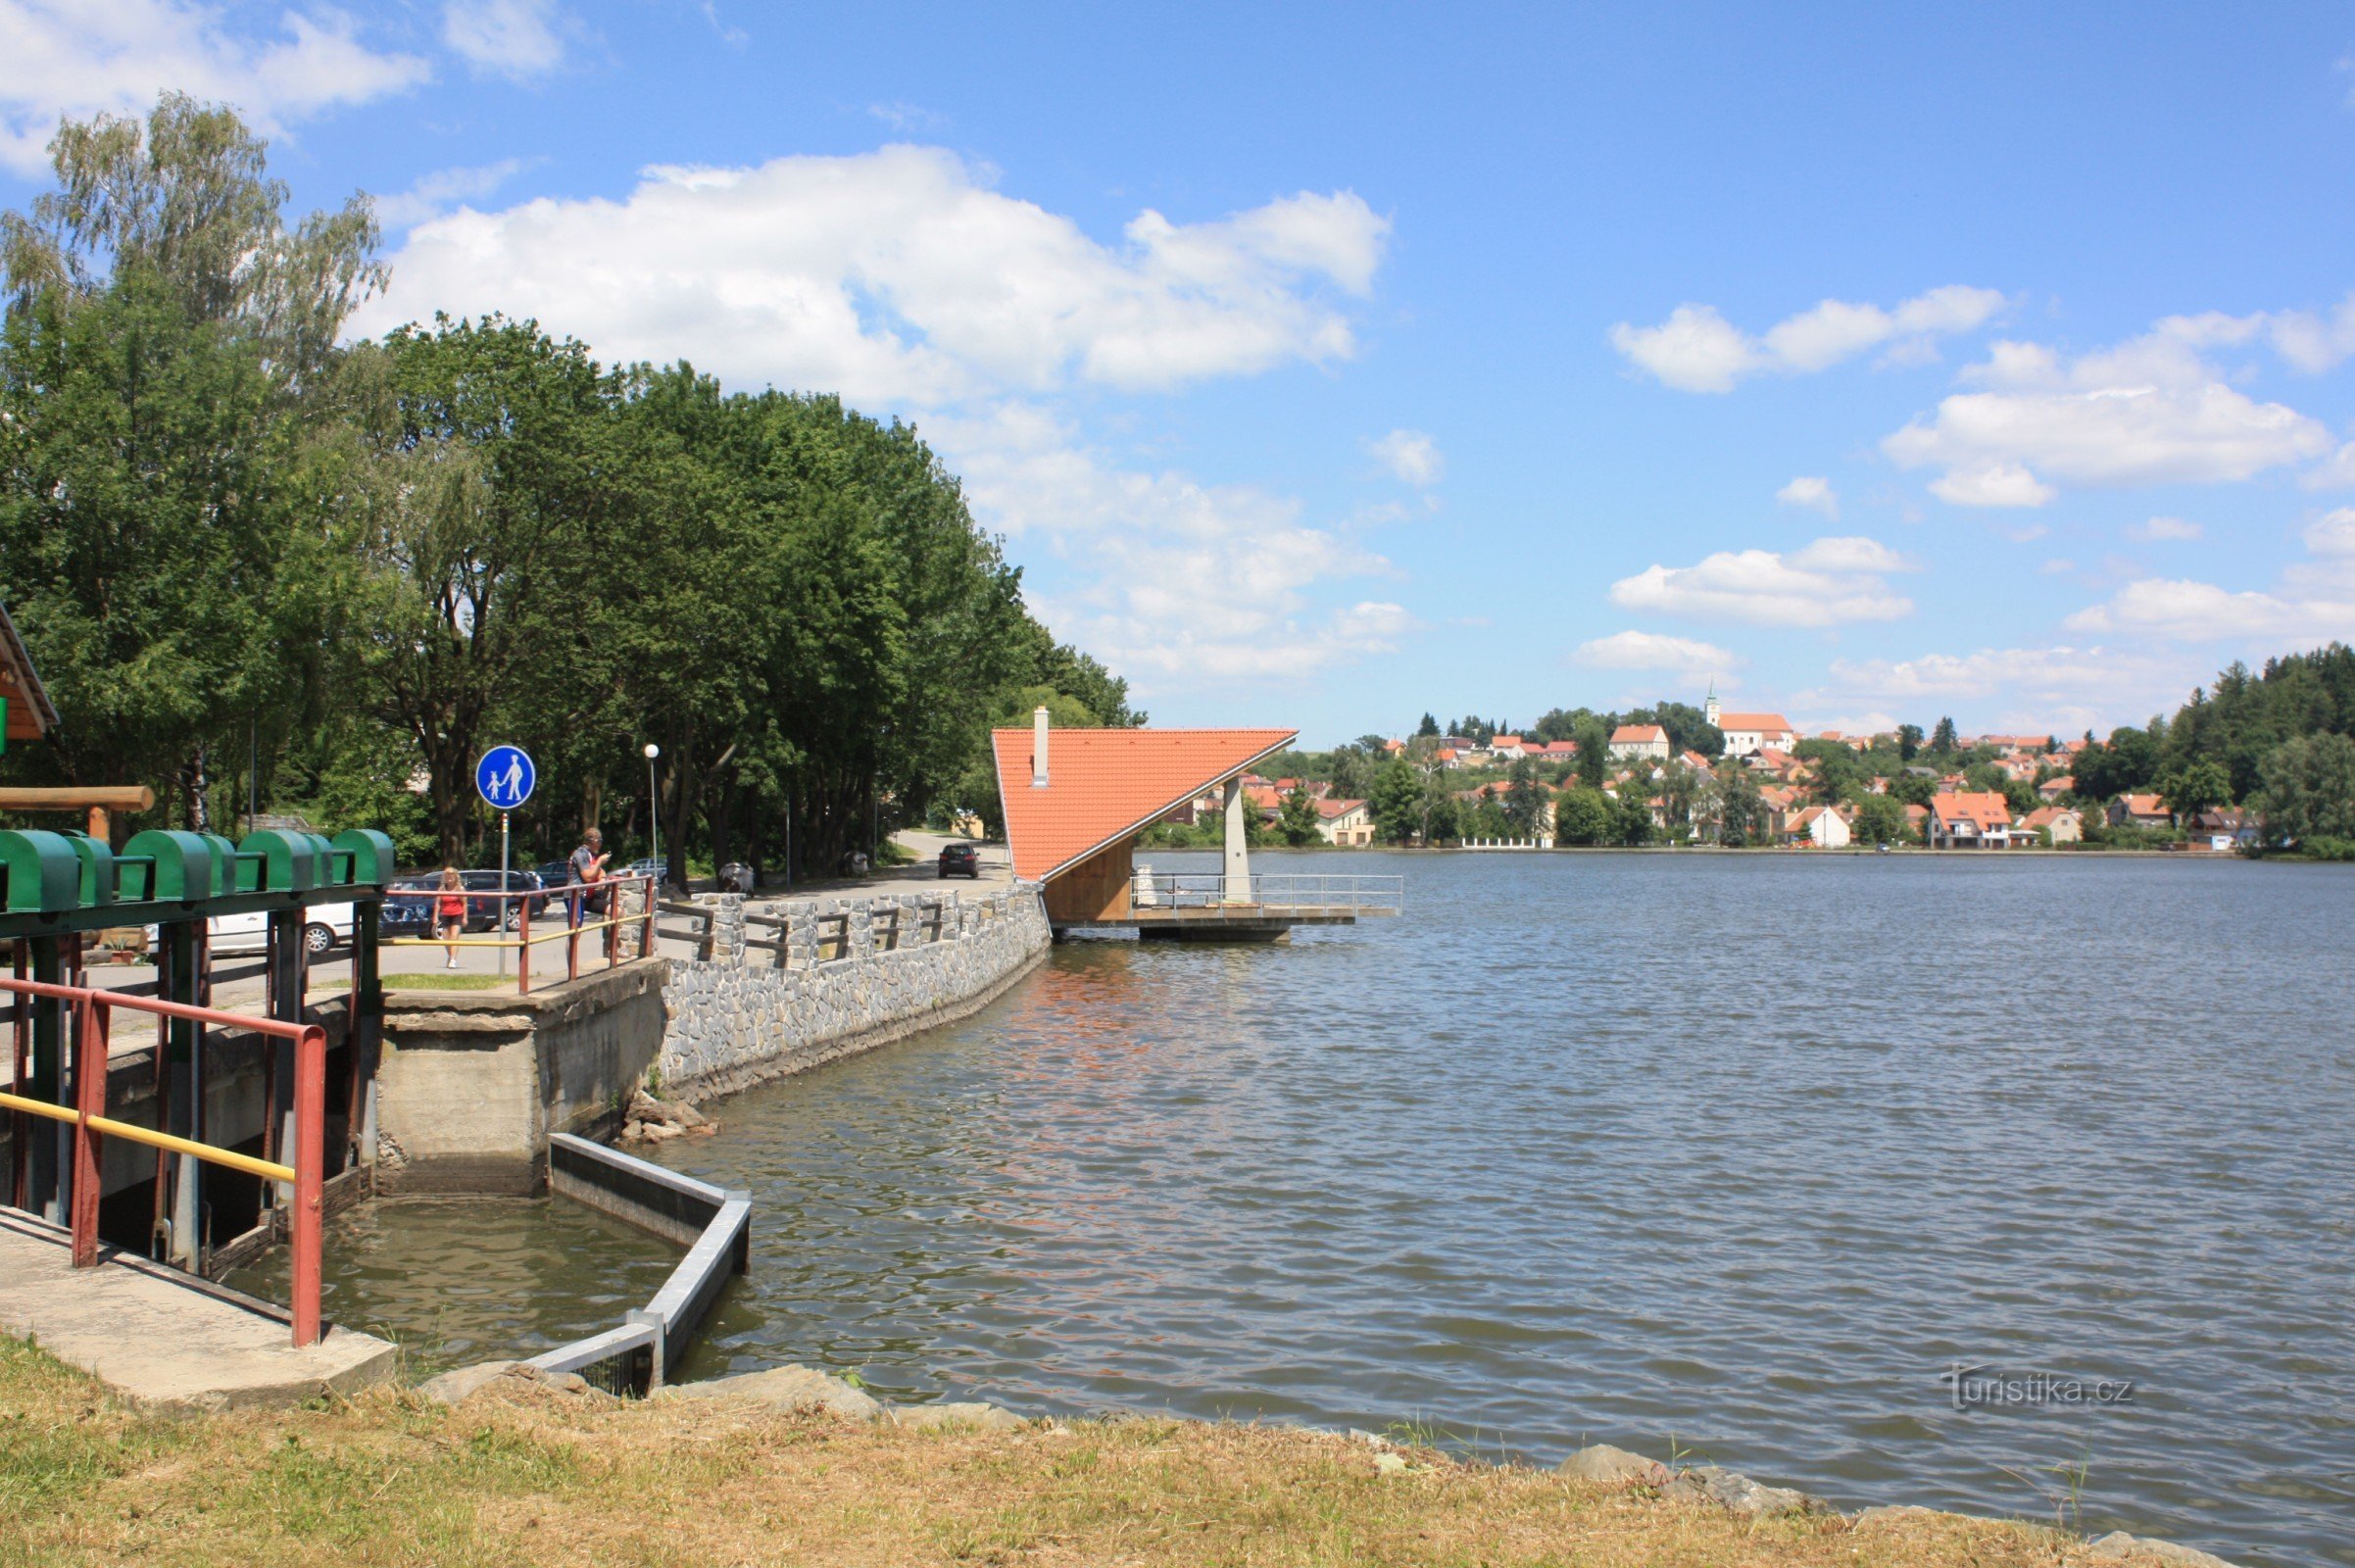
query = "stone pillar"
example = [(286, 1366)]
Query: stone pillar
[(1238, 889), (727, 928)]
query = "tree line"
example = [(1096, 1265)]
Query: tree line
[(259, 567)]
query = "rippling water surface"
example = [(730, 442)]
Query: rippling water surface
[(1733, 1153)]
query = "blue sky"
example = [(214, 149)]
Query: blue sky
[(1325, 368)]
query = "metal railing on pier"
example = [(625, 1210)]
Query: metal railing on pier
[(1271, 890), (607, 912), (92, 1011)]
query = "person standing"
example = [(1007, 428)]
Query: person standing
[(588, 869), (450, 912)]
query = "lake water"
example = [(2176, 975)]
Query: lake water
[(1729, 1155)]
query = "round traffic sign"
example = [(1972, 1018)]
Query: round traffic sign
[(505, 776)]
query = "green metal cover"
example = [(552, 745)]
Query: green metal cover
[(44, 875)]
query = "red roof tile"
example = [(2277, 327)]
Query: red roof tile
[(1105, 784)]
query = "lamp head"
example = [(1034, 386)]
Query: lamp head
[(653, 751)]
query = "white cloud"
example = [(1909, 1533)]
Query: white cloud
[(1187, 583), (1411, 455), (76, 58), (1991, 484), (1813, 491), (2163, 528), (2314, 599), (907, 119), (1829, 583), (436, 193), (899, 275), (2001, 448), (1698, 350), (2063, 688), (517, 38), (1647, 650), (2152, 409)]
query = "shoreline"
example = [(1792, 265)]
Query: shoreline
[(792, 1464)]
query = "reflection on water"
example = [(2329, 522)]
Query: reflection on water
[(477, 1280), (1735, 1153)]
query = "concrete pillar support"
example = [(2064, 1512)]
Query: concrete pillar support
[(1237, 888)]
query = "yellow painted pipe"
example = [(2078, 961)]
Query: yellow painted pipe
[(262, 1168), (41, 1107)]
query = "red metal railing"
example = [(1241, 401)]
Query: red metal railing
[(92, 1011), (573, 900)]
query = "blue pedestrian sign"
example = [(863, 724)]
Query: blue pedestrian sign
[(505, 776)]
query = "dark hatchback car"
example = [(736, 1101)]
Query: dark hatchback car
[(408, 907), (485, 908), (961, 859)]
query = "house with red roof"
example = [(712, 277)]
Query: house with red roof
[(2063, 824), (1638, 740), (1746, 733), (1970, 819), (2143, 810), (1817, 827), (1346, 822)]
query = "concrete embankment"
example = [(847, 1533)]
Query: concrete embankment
[(853, 974)]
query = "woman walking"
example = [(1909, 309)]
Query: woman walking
[(450, 912)]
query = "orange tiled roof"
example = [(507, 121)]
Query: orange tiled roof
[(1636, 734), (1985, 809), (1769, 723), (1105, 784)]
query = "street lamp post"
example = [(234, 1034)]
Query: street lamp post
[(654, 809)]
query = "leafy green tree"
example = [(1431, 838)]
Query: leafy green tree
[(1593, 753), (1909, 742), (1583, 816), (1740, 811), (2199, 785), (1525, 799), (1631, 817), (162, 327), (2306, 790), (1881, 820), (1297, 821), (1680, 796), (1943, 738), (1396, 802)]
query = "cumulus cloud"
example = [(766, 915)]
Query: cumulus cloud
[(76, 58), (2064, 689), (1411, 455), (515, 38), (1185, 582), (2314, 599), (1831, 582), (1812, 491), (2164, 528), (1648, 651), (1698, 350), (2153, 410), (1991, 484), (436, 193), (899, 276)]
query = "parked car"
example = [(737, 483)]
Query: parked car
[(324, 926), (408, 907), (486, 909), (961, 859)]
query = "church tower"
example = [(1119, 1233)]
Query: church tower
[(1710, 712)]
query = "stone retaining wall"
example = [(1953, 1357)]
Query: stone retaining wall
[(746, 1015)]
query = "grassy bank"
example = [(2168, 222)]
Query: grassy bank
[(533, 1477)]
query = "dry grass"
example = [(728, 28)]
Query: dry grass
[(537, 1478)]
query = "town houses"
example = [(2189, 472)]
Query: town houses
[(1683, 775)]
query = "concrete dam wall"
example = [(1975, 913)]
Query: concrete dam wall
[(849, 974)]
